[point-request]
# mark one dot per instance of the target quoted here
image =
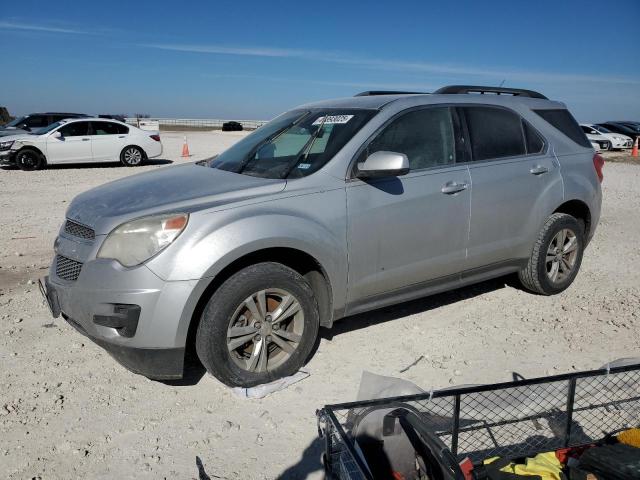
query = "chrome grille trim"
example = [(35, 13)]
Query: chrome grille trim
[(67, 269), (78, 230)]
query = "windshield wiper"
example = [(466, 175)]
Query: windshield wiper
[(304, 152)]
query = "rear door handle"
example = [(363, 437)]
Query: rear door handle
[(450, 188), (538, 170), (121, 136), (86, 139)]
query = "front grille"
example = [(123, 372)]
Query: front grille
[(67, 269), (79, 230)]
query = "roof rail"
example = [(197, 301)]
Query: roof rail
[(370, 93), (516, 92)]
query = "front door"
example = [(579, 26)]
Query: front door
[(406, 231), (73, 146)]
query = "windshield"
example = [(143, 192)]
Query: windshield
[(48, 128), (293, 145), (15, 122), (602, 129)]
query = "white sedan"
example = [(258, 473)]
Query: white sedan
[(596, 132), (80, 140)]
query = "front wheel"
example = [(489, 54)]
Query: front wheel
[(132, 156), (556, 256), (259, 325), (29, 160)]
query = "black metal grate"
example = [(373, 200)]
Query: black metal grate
[(78, 230), (514, 419), (67, 269)]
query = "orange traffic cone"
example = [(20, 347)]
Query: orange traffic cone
[(634, 152), (185, 149)]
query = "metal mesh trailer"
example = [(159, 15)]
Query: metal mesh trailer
[(512, 419)]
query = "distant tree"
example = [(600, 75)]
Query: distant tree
[(4, 116)]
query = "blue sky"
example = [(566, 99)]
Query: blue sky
[(247, 60)]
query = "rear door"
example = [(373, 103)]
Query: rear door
[(516, 182), (406, 231), (73, 146), (107, 140)]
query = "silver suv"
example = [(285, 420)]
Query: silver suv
[(331, 209)]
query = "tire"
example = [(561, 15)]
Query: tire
[(29, 160), (548, 270), (132, 156), (237, 322)]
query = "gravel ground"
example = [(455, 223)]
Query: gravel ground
[(67, 410)]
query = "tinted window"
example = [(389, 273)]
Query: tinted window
[(108, 128), (494, 133), (36, 121), (75, 129), (425, 136), (564, 121), (535, 143)]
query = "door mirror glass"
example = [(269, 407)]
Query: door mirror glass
[(383, 164)]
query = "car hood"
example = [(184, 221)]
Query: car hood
[(16, 136), (185, 188), (6, 132)]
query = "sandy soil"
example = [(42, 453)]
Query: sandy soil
[(67, 410)]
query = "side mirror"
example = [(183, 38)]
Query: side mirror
[(383, 164), (56, 134), (24, 126)]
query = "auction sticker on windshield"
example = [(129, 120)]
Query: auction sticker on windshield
[(332, 119)]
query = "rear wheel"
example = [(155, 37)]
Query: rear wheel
[(132, 156), (259, 325), (556, 256), (29, 160)]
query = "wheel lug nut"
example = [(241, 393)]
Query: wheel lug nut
[(256, 325), (257, 337), (276, 327), (268, 338)]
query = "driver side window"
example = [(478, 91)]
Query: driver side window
[(425, 136), (75, 129)]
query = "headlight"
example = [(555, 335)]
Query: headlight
[(6, 145), (135, 242)]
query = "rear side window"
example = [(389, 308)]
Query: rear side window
[(535, 143), (494, 133), (424, 136), (564, 121), (108, 128)]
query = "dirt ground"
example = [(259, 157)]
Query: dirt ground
[(67, 410)]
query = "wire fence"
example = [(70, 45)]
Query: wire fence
[(195, 123)]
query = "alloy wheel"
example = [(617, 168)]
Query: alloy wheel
[(265, 330), (132, 156), (561, 255)]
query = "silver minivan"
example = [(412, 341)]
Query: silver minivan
[(329, 210)]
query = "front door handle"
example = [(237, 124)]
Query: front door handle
[(450, 188), (538, 170), (86, 139)]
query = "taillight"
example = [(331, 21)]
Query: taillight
[(598, 163), (155, 137)]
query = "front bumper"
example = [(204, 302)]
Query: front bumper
[(7, 157), (99, 302)]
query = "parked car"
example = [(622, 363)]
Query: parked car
[(596, 137), (80, 140), (331, 209), (232, 127), (618, 141), (119, 118), (623, 128), (595, 145), (34, 122)]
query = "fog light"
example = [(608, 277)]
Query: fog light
[(124, 319)]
